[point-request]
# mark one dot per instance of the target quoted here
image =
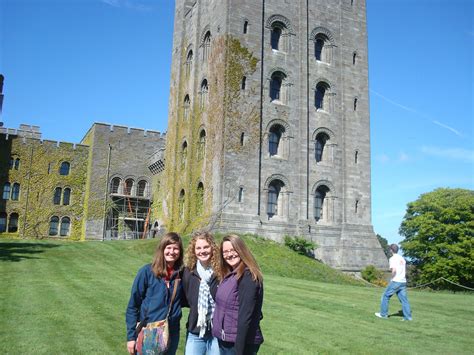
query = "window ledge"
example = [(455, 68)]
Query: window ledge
[(278, 102)]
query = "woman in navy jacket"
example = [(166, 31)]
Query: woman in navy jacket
[(239, 298), (152, 290)]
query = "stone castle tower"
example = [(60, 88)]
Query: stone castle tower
[(269, 124)]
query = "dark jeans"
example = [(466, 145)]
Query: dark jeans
[(226, 348)]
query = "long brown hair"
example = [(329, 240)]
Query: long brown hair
[(158, 265), (246, 257), (190, 257)]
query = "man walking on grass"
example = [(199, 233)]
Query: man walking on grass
[(397, 285)]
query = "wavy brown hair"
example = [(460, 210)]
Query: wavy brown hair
[(246, 257), (158, 265), (190, 257)]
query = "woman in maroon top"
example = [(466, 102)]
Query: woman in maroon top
[(239, 298)]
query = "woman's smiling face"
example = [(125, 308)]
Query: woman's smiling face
[(203, 251)]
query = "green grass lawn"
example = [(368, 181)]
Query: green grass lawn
[(70, 297)]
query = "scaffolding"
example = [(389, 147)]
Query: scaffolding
[(128, 217)]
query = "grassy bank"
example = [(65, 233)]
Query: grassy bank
[(64, 297)]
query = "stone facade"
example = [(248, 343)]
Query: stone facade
[(279, 91), (84, 198)]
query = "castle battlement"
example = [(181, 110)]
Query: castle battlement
[(107, 128)]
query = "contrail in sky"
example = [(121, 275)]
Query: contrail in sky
[(406, 108)]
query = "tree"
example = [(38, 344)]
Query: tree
[(439, 236), (384, 244)]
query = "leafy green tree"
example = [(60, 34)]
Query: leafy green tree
[(439, 236), (384, 244)]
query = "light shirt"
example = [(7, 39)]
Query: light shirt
[(398, 263)]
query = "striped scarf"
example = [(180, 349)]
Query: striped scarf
[(205, 302)]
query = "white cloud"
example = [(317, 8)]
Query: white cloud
[(383, 158), (420, 114), (403, 157), (127, 4), (450, 153)]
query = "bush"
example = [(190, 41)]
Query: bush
[(372, 274), (300, 245)]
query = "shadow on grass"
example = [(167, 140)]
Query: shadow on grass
[(398, 314), (19, 251)]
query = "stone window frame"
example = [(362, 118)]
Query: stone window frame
[(64, 168), (112, 189), (181, 204), (328, 99), (184, 154), (16, 190), (202, 144), (284, 142), (204, 94), (284, 24), (285, 85), (188, 61), (186, 107), (63, 232), (66, 199), (6, 191), (283, 199), (58, 191), (143, 191), (125, 189), (13, 217), (245, 27), (328, 205), (329, 44), (205, 43), (329, 149), (200, 191), (53, 231)]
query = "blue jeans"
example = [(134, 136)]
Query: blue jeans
[(399, 288), (227, 348), (201, 346)]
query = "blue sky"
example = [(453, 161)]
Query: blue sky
[(70, 63)]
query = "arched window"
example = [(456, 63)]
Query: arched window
[(244, 83), (184, 154), (206, 46), (354, 57), (189, 62), (6, 191), (66, 196), (186, 107), (16, 192), (275, 86), (322, 48), (57, 196), (319, 202), (204, 92), (142, 184), (12, 162), (242, 138), (181, 205), (274, 204), (3, 222), (356, 206), (199, 198), (321, 140), (65, 224), (356, 157), (13, 223), (202, 145), (241, 194), (128, 187), (115, 185), (246, 27), (64, 168), (274, 139), (355, 104), (320, 97), (275, 36), (53, 225), (17, 163)]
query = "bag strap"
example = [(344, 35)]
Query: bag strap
[(175, 288)]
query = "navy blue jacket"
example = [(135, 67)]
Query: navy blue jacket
[(150, 298)]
